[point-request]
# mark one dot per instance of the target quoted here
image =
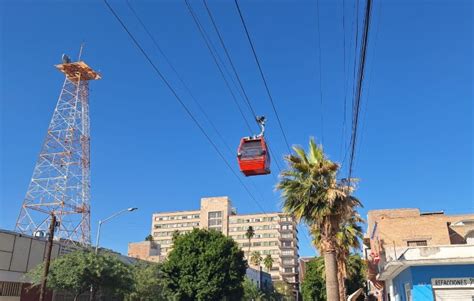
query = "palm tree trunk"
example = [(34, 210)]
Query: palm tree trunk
[(341, 274), (342, 285), (332, 286)]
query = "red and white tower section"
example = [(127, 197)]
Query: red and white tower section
[(60, 184)]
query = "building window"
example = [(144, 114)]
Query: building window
[(288, 270), (215, 222), (215, 214), (288, 261), (417, 243)]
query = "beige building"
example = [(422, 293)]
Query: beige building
[(405, 243), (275, 233)]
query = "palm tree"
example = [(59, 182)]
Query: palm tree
[(250, 234), (256, 258), (312, 194), (268, 262), (347, 238)]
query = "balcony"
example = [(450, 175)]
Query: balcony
[(287, 264)]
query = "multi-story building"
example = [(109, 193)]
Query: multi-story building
[(275, 233), (420, 256)]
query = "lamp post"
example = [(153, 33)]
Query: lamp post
[(107, 219), (92, 291)]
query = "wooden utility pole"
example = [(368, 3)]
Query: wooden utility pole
[(47, 260)]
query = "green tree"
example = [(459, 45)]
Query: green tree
[(256, 258), (268, 262), (77, 271), (314, 286), (356, 274), (283, 291), (312, 194), (147, 283), (149, 237), (204, 265), (250, 234), (251, 291)]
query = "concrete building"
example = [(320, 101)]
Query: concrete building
[(260, 278), (275, 233), (19, 253), (420, 256), (145, 250), (302, 267)]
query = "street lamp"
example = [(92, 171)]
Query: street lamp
[(107, 219)]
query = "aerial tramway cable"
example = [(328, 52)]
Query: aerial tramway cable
[(179, 100), (262, 75), (229, 58)]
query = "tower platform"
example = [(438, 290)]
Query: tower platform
[(78, 70)]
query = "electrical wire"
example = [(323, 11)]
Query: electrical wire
[(367, 98), (360, 80), (345, 77), (354, 41), (262, 75), (320, 74), (180, 101)]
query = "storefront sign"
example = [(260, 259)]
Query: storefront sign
[(465, 282)]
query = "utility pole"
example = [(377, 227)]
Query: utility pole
[(49, 247)]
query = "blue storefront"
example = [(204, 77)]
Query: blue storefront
[(452, 282)]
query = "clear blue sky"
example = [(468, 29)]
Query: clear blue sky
[(415, 139)]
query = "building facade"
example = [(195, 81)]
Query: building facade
[(275, 233), (420, 256), (20, 253)]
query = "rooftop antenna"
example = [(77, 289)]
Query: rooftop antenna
[(80, 51)]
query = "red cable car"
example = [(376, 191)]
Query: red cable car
[(253, 154)]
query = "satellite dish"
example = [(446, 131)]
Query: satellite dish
[(39, 234), (66, 59)]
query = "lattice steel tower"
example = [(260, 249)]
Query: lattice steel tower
[(60, 184)]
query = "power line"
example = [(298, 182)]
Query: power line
[(179, 100), (345, 77), (262, 75), (354, 41), (360, 79), (374, 47), (320, 74)]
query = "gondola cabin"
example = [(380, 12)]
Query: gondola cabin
[(253, 156)]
